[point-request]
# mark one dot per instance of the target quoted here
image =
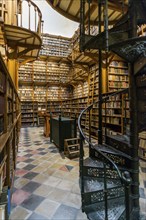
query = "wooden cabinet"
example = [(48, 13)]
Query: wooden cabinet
[(62, 128)]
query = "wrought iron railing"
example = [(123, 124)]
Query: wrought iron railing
[(124, 177)]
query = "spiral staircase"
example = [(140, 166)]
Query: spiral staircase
[(109, 172)]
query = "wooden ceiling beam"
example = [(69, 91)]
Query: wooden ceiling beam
[(114, 5), (92, 56), (82, 63), (69, 6), (86, 69), (56, 3)]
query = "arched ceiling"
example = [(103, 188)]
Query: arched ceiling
[(71, 9)]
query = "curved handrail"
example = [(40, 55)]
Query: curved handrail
[(32, 19), (123, 176), (33, 12)]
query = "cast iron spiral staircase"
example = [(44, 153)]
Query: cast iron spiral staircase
[(109, 174), (106, 178)]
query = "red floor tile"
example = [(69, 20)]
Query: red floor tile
[(19, 196)]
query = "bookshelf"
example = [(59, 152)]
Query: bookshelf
[(57, 72), (115, 111), (25, 72), (55, 46), (53, 106), (29, 113), (116, 116), (39, 71), (141, 107), (26, 92), (117, 75), (9, 136)]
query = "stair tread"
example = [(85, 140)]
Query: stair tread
[(89, 162), (92, 184), (108, 149), (136, 215), (93, 163), (122, 138), (97, 211)]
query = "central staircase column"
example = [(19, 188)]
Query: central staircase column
[(100, 82), (133, 108)]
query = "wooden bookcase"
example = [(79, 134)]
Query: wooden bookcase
[(116, 115), (115, 111), (29, 113), (55, 46), (25, 72), (117, 75), (9, 134)]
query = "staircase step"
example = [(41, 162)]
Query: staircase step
[(109, 149), (94, 190), (116, 210), (89, 162), (137, 215), (94, 168), (118, 157), (119, 142), (92, 184)]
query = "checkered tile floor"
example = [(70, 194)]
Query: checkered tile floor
[(46, 183)]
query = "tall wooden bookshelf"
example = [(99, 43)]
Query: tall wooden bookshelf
[(55, 46), (9, 135), (117, 75), (116, 109)]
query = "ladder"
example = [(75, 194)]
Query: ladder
[(91, 82), (71, 147)]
